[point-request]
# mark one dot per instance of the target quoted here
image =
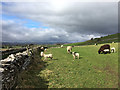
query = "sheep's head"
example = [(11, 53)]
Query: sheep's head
[(73, 53), (99, 51)]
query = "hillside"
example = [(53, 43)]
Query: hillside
[(105, 39)]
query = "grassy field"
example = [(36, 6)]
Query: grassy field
[(92, 70)]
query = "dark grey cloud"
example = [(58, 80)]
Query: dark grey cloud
[(77, 21)]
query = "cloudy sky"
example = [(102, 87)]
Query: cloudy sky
[(58, 20)]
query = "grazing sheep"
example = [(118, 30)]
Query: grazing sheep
[(113, 49), (104, 47), (75, 55), (48, 56), (69, 48), (61, 46)]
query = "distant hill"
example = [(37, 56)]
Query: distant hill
[(101, 40)]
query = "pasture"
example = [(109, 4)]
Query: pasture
[(92, 70)]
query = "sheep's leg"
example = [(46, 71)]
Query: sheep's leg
[(73, 57)]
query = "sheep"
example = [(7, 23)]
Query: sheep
[(113, 49), (75, 55), (61, 46), (69, 48), (104, 47), (48, 56)]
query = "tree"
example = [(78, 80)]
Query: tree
[(91, 38)]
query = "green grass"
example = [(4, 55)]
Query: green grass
[(92, 70)]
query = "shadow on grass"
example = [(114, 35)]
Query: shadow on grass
[(29, 78), (55, 59), (80, 57), (50, 59)]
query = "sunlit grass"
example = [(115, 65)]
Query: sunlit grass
[(92, 70)]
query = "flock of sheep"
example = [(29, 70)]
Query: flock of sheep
[(103, 49)]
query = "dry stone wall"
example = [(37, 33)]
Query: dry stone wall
[(11, 66), (11, 51)]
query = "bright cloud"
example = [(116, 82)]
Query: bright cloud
[(43, 22)]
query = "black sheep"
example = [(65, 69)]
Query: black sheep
[(104, 47)]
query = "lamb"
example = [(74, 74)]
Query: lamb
[(48, 56), (69, 48), (75, 55), (113, 49)]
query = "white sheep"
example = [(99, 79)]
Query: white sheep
[(113, 49), (48, 56), (75, 55), (69, 48), (61, 46)]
